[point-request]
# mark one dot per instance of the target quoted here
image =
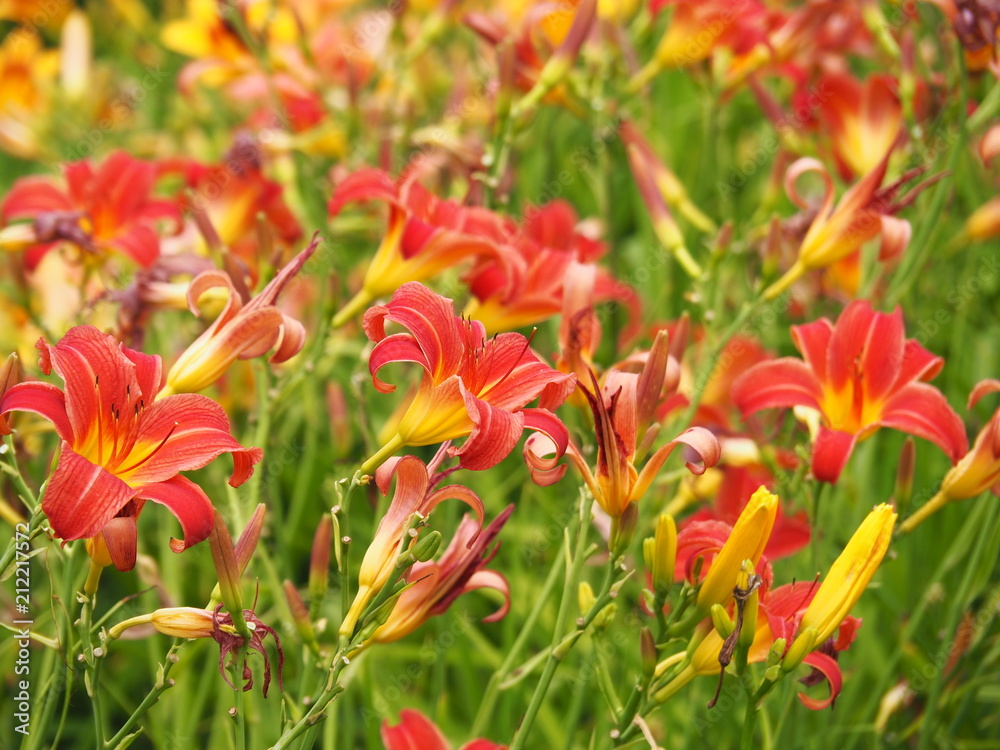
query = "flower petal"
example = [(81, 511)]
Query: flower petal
[(700, 440), (82, 497), (490, 579), (830, 453), (414, 732), (40, 398), (922, 410), (494, 434), (189, 504), (783, 382), (813, 342), (831, 672), (182, 433)]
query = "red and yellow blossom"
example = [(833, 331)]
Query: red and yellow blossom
[(242, 330), (425, 234), (976, 472), (864, 120), (416, 732), (121, 446), (437, 583), (860, 374), (234, 196), (27, 73), (863, 213), (622, 406), (105, 208), (529, 283), (472, 385), (414, 497)]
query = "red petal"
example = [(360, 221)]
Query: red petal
[(82, 497), (364, 185), (140, 242), (121, 535), (39, 398), (918, 364), (830, 453), (189, 504), (782, 383), (700, 440), (490, 579), (831, 671), (31, 196), (482, 745), (399, 347), (922, 410), (198, 430), (493, 437), (813, 342), (414, 732), (896, 235)]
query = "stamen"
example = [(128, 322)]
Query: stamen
[(151, 453)]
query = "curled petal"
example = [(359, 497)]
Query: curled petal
[(896, 235), (828, 667), (922, 410), (804, 166), (982, 388), (490, 579), (698, 439), (189, 504), (40, 398), (291, 341), (399, 347), (494, 434)]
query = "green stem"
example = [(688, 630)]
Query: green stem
[(492, 687), (162, 684), (559, 646)]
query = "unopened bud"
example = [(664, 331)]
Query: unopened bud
[(776, 651), (722, 622), (904, 476), (319, 563), (300, 615), (247, 542), (647, 648), (660, 553), (585, 597), (8, 377), (801, 647), (427, 546), (606, 616)]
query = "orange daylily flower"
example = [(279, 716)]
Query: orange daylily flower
[(860, 374), (416, 732), (243, 330), (102, 208), (864, 212), (864, 120), (122, 446), (472, 385)]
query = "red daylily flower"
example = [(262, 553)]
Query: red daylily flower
[(861, 374), (546, 250), (424, 236), (233, 194), (864, 120), (438, 583), (416, 732), (623, 408), (120, 447), (472, 385), (107, 208)]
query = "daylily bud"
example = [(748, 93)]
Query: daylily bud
[(300, 615), (721, 621), (585, 597), (427, 546), (746, 542), (8, 377), (647, 649), (226, 567), (850, 573), (651, 379), (559, 65), (660, 553), (775, 653), (801, 647), (247, 542), (606, 616), (319, 563), (984, 223), (183, 622)]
